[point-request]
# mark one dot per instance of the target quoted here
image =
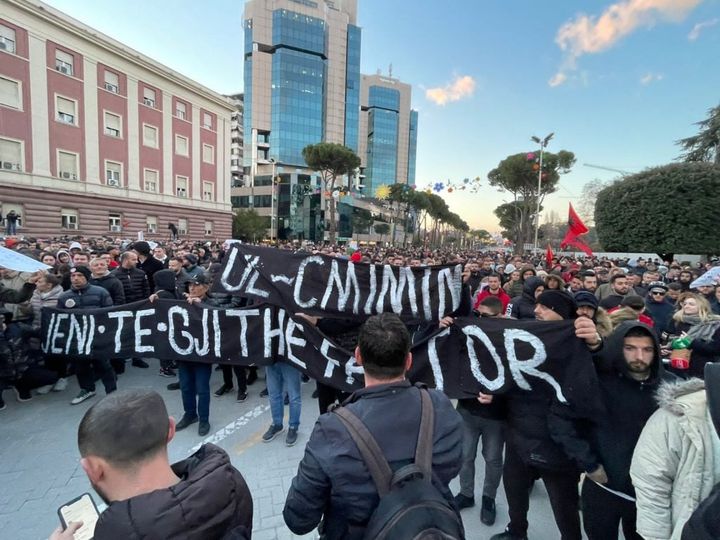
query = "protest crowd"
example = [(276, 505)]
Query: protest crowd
[(644, 459)]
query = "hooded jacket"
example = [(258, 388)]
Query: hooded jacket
[(165, 285), (41, 300), (523, 306), (705, 521), (672, 467), (628, 403), (211, 502)]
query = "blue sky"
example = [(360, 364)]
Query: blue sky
[(635, 75)]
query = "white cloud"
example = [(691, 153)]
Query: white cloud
[(461, 87), (699, 27), (589, 34), (650, 78)]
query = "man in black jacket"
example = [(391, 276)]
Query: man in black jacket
[(146, 262), (200, 498), (543, 440), (136, 287), (630, 370), (103, 278), (333, 483), (523, 307)]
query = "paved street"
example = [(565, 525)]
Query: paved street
[(39, 468)]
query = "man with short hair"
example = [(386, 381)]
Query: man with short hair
[(102, 277), (190, 262), (494, 288), (685, 279), (126, 460), (333, 484), (146, 262), (161, 255), (619, 289), (82, 295), (136, 287), (182, 279), (589, 281), (630, 370)]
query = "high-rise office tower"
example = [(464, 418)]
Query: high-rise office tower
[(388, 132)]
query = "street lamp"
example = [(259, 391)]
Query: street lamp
[(543, 143), (272, 202)]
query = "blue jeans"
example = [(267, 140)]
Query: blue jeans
[(195, 389), (281, 376)]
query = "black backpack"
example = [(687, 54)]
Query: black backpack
[(410, 507)]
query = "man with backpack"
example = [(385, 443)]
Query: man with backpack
[(380, 489)]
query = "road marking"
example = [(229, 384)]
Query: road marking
[(231, 428)]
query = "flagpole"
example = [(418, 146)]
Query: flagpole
[(543, 143)]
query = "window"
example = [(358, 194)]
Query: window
[(10, 93), (151, 224), (112, 82), (182, 226), (151, 180), (208, 228), (149, 97), (181, 184), (65, 110), (150, 136), (113, 174), (208, 191), (181, 145), (7, 39), (69, 218), (114, 222), (67, 165), (63, 62), (11, 155), (180, 110), (207, 120), (112, 125), (208, 154)]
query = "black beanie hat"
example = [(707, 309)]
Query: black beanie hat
[(141, 247), (586, 298), (84, 270), (560, 302)]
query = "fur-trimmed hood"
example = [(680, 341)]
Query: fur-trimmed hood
[(673, 397)]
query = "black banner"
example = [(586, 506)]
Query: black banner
[(491, 355), (328, 286)]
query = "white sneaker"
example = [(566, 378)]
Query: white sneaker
[(44, 389), (82, 396), (60, 385)]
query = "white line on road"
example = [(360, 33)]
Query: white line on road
[(231, 428)]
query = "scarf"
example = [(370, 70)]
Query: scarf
[(700, 329)]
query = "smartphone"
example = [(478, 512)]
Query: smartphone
[(82, 508)]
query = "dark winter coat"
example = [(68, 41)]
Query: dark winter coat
[(90, 296), (332, 481), (134, 282), (211, 502), (628, 406), (702, 351), (165, 285), (112, 285), (150, 266), (523, 306), (12, 296), (661, 313)]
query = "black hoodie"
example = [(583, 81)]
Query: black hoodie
[(523, 306), (165, 284), (628, 406)]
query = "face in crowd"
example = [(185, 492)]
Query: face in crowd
[(639, 353)]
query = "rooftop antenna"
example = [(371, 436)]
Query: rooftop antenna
[(390, 71)]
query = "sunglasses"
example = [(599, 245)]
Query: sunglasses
[(658, 293)]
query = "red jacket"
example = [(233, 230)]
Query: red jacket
[(501, 295)]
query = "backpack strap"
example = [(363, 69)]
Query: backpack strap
[(369, 450), (424, 449)]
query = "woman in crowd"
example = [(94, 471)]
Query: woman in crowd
[(696, 321)]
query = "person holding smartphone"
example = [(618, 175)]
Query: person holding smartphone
[(123, 443)]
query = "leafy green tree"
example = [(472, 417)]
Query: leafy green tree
[(362, 220), (517, 175), (332, 161), (382, 229), (705, 146), (249, 226), (663, 210)]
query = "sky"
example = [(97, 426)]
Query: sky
[(617, 82)]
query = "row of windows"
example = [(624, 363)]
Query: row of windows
[(65, 63), (70, 220), (68, 168), (259, 201)]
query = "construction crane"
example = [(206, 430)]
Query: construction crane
[(624, 173)]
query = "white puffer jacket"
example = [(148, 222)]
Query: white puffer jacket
[(673, 464)]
